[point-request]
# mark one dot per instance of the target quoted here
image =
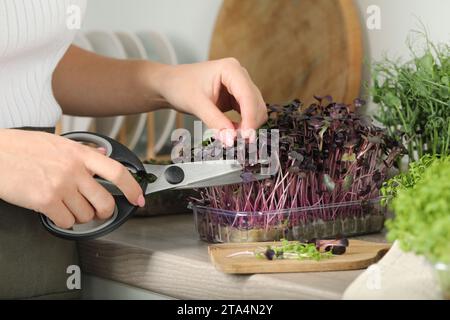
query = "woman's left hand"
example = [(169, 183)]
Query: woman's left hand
[(209, 89)]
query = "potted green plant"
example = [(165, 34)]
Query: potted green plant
[(420, 199), (414, 97)]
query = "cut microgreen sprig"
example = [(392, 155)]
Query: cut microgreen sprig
[(289, 250), (293, 250)]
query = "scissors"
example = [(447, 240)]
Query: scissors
[(176, 176)]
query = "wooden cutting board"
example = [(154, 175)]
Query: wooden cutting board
[(359, 255), (293, 48)]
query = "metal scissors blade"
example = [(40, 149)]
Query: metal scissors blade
[(221, 181), (196, 175)]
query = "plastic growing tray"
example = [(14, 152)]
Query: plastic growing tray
[(319, 221)]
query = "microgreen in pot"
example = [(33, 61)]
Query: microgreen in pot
[(413, 97), (420, 199), (328, 154), (421, 203)]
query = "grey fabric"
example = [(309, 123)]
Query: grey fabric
[(33, 263)]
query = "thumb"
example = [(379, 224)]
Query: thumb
[(217, 120)]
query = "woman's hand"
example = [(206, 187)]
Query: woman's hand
[(54, 176), (210, 88), (86, 84)]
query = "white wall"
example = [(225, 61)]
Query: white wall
[(189, 23), (400, 16)]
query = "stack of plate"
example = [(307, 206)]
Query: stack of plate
[(147, 134)]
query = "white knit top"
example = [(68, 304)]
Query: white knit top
[(34, 35)]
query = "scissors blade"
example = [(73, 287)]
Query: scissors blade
[(221, 181), (196, 174)]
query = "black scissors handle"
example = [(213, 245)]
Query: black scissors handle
[(124, 209)]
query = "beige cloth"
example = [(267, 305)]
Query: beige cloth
[(398, 275)]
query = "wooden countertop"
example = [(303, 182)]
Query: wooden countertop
[(163, 255)]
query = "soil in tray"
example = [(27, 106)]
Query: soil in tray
[(351, 226)]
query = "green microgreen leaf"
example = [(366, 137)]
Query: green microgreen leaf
[(420, 199)]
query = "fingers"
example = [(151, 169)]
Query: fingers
[(251, 103), (215, 119), (99, 198), (60, 215), (101, 150), (253, 108), (261, 113), (79, 207), (116, 173)]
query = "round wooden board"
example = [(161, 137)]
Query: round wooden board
[(293, 48)]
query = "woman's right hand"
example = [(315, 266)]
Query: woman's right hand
[(54, 176)]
